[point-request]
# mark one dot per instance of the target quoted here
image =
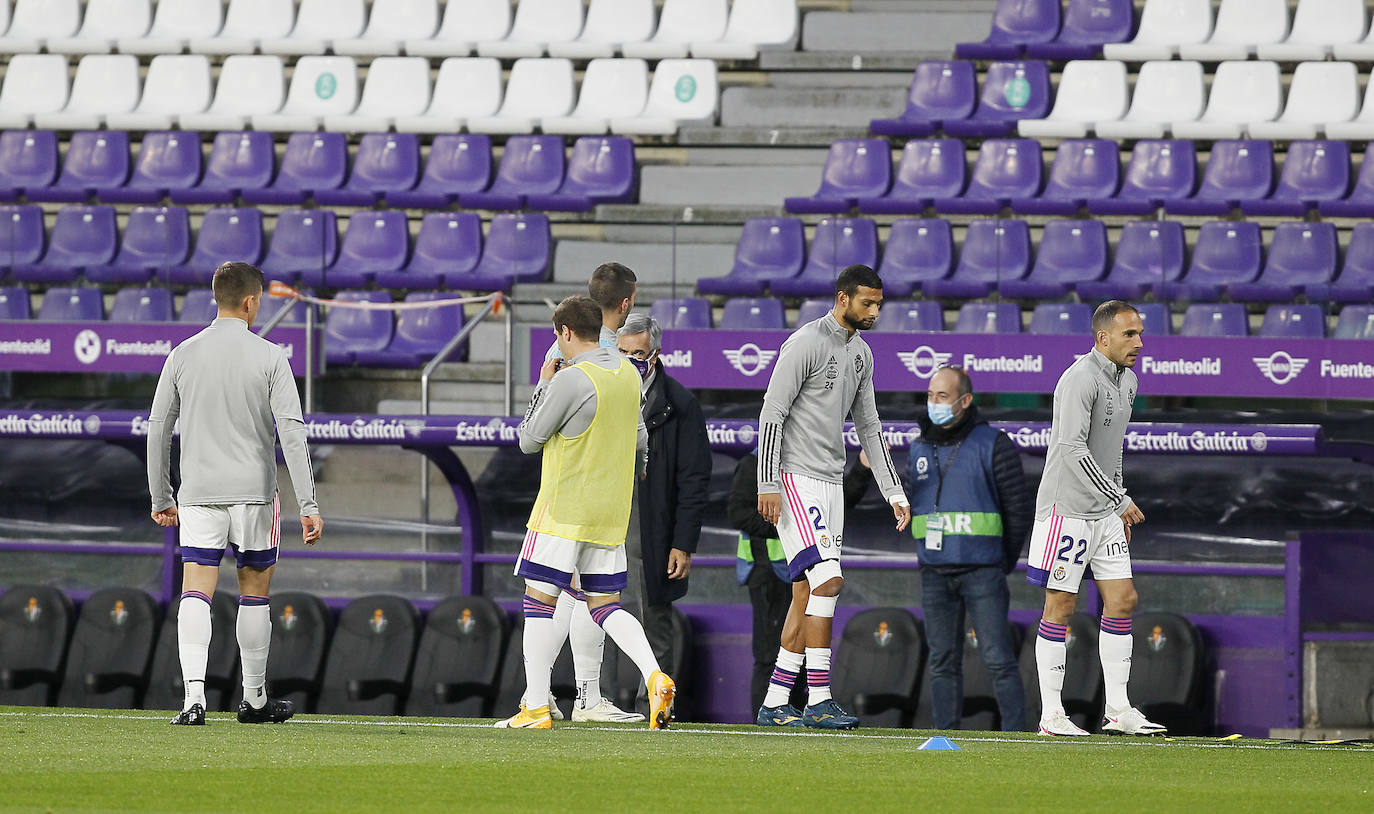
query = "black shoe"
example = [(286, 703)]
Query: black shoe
[(273, 712), (195, 716)]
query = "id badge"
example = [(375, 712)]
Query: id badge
[(935, 532)]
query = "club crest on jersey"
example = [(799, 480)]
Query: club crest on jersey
[(1158, 639), (883, 635), (378, 621), (858, 364), (288, 618), (118, 614), (33, 610), (465, 622)]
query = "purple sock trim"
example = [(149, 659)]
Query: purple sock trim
[(600, 614), (817, 678), (578, 595), (1121, 627), (195, 595), (1053, 632), (535, 609), (783, 678), (252, 601)]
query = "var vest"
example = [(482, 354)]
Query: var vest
[(587, 481), (968, 505)]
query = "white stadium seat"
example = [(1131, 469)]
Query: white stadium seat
[(106, 21), (248, 86), (1164, 26), (34, 22), (467, 87), (246, 24), (536, 90), (34, 83), (466, 23), (1360, 128), (684, 91), (1242, 26), (396, 86), (1090, 91), (1320, 92), (104, 84), (1317, 26), (610, 24), (682, 23), (176, 84), (320, 86), (391, 24), (177, 24), (537, 24), (753, 23), (319, 24), (1165, 91), (1242, 93), (611, 88)]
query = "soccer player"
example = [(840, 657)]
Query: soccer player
[(228, 385), (823, 373), (584, 417), (1083, 517)]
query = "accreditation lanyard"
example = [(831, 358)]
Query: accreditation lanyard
[(935, 522)]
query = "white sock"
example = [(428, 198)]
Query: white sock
[(193, 645), (1050, 657), (588, 645), (1114, 649), (817, 675), (785, 672), (254, 630), (541, 646), (628, 635)]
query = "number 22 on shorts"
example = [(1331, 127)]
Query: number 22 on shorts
[(1066, 544)]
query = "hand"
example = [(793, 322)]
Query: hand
[(1132, 515), (166, 517), (903, 515), (312, 526), (679, 564), (770, 507), (549, 368), (1127, 528)]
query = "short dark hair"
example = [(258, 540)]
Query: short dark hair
[(965, 384), (611, 284), (1106, 314), (582, 315), (855, 276), (234, 281)]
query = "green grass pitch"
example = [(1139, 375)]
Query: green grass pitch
[(89, 760)]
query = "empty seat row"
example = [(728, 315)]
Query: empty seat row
[(616, 94), (1303, 259), (315, 166), (1045, 29), (305, 247), (1243, 28), (706, 28), (1087, 173), (1245, 98), (945, 96)]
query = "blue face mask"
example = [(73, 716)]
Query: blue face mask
[(940, 414)]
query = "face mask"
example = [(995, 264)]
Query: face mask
[(940, 414), (642, 365)]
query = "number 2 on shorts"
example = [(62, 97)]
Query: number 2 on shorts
[(1067, 545), (816, 521)]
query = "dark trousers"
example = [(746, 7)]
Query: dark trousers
[(982, 592), (770, 598)]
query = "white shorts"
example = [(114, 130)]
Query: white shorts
[(600, 569), (1062, 547), (251, 529), (811, 527)]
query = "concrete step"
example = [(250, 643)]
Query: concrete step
[(760, 136), (914, 33), (782, 108), (726, 186), (653, 263)]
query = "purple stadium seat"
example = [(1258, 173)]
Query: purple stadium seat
[(1213, 319), (682, 313), (1012, 91), (1300, 254), (1148, 253), (837, 243), (1355, 322), (854, 169), (155, 238), (312, 162), (348, 331), (1226, 253), (198, 306), (385, 163), (1356, 281), (517, 250), (225, 234), (61, 304), (1071, 252), (448, 243), (1005, 169), (1062, 318), (1360, 202), (1083, 170), (916, 251), (374, 241), (812, 310), (1088, 25), (988, 318), (142, 305), (14, 303), (531, 165), (304, 240), (238, 160), (929, 169), (1236, 171), (910, 316), (1015, 23), (167, 160), (994, 251), (81, 237), (1155, 317), (96, 159), (21, 236), (1296, 321), (769, 249), (1160, 170), (28, 160), (600, 170), (458, 163), (420, 334), (752, 314), (941, 90), (1313, 171)]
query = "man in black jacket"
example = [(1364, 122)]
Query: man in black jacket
[(672, 497)]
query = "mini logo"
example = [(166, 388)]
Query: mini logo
[(923, 361), (91, 424), (922, 466), (378, 621), (1158, 639), (87, 347), (326, 85), (1018, 92), (686, 88), (750, 359), (1059, 572), (33, 610), (117, 614), (1259, 442), (465, 622), (972, 637), (1279, 367), (746, 434), (288, 618), (883, 635)]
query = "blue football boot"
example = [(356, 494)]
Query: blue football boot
[(785, 715), (828, 715)]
